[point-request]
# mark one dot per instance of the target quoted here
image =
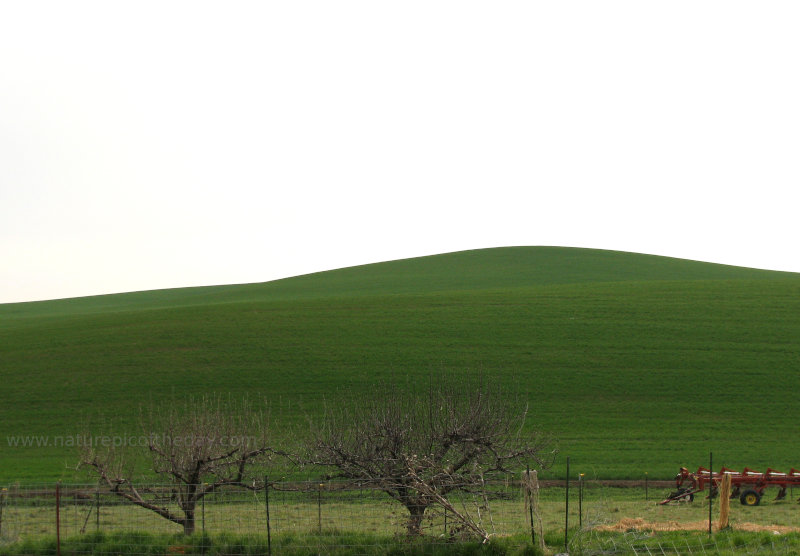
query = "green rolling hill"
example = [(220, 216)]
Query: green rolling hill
[(635, 363)]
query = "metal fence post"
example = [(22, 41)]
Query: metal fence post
[(266, 502), (710, 487), (319, 508), (529, 494)]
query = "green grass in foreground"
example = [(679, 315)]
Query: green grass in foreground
[(723, 543), (326, 542), (334, 542), (635, 363)]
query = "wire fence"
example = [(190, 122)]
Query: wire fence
[(294, 509), (290, 516)]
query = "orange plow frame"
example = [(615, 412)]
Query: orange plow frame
[(748, 485)]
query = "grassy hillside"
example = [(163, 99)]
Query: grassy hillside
[(636, 363)]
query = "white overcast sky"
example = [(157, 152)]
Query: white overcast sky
[(146, 145)]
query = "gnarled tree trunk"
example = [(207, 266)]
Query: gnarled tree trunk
[(416, 515), (189, 521)]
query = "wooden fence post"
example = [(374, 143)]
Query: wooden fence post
[(58, 518), (3, 494)]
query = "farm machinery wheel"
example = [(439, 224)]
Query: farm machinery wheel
[(750, 498)]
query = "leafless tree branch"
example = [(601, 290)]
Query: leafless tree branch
[(198, 445), (419, 446)]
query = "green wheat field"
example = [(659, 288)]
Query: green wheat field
[(634, 363)]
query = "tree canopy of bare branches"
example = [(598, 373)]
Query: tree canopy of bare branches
[(197, 445), (418, 446)]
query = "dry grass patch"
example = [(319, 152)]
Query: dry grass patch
[(640, 524)]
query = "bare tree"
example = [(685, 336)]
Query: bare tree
[(197, 446), (419, 446)]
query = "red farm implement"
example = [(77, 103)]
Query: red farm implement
[(747, 485)]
